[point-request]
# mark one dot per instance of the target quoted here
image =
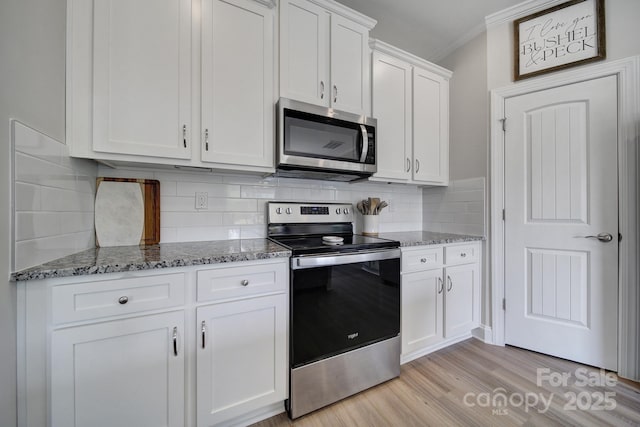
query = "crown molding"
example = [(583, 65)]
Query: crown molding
[(387, 49), (461, 41), (519, 10), (353, 15)]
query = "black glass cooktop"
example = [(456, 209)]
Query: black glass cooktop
[(330, 243)]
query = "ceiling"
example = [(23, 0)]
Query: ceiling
[(428, 28)]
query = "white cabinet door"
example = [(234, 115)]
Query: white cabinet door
[(349, 66), (462, 293), (142, 77), (391, 106), (304, 52), (237, 83), (324, 57), (241, 359), (430, 128), (119, 373), (422, 309)]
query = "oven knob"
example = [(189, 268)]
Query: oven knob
[(289, 211), (278, 211), (338, 211), (346, 211)]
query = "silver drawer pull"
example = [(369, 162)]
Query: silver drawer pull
[(175, 341), (441, 285), (123, 300), (423, 260), (204, 333), (245, 282), (450, 284)]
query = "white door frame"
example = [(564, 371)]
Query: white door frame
[(628, 74)]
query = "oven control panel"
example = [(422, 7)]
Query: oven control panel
[(295, 212)]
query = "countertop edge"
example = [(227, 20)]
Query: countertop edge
[(44, 271)]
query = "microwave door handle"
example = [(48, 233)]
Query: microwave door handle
[(365, 143)]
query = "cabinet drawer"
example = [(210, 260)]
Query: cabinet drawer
[(92, 300), (237, 282), (461, 254), (424, 258)]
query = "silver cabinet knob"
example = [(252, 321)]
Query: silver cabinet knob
[(245, 282), (463, 255), (123, 300), (423, 260), (603, 237)]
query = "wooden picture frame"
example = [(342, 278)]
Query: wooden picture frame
[(563, 36)]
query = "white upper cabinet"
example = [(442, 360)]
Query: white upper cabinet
[(324, 55), (237, 83), (391, 106), (142, 77), (178, 82), (430, 127), (411, 103), (304, 52)]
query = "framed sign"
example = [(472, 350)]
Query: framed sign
[(563, 36)]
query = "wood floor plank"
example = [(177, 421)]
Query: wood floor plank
[(461, 386)]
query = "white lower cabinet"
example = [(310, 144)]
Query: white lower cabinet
[(241, 357), (120, 373), (440, 288), (191, 346)]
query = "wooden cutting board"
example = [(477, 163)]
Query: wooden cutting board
[(127, 212)]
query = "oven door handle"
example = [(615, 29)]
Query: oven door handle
[(299, 263)]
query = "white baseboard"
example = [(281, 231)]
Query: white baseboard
[(257, 415), (404, 358), (483, 333)]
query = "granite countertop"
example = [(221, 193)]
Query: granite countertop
[(420, 238), (165, 255)]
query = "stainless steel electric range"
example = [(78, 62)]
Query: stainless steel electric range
[(345, 304)]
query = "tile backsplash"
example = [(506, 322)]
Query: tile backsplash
[(53, 198), (237, 203), (458, 208)]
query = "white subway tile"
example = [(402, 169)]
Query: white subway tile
[(232, 205), (27, 197), (36, 144), (214, 190), (168, 188), (190, 219)]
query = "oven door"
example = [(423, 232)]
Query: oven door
[(343, 302)]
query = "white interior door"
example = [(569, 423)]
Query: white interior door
[(561, 286)]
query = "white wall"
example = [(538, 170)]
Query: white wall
[(32, 46), (237, 202)]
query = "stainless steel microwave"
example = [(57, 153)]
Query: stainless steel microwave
[(322, 143)]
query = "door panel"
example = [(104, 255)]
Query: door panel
[(561, 187), (142, 77), (237, 83), (119, 373)]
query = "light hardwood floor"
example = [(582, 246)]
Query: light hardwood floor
[(462, 385)]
